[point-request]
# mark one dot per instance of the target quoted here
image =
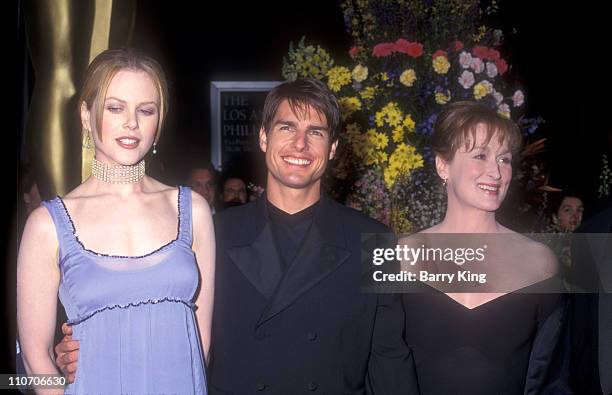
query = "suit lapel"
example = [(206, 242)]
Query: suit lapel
[(322, 252), (259, 262)]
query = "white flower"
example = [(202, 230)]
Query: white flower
[(498, 97), (465, 59), (491, 70), (360, 73), (504, 110), (518, 99), (477, 65), (466, 79)]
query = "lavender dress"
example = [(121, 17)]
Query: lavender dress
[(133, 316)]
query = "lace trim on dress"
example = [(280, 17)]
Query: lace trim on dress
[(78, 320)]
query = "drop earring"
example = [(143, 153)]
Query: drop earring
[(154, 148), (444, 182), (87, 140)]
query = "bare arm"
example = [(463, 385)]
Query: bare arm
[(37, 285), (204, 248)]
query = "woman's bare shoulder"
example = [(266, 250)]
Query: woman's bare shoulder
[(540, 257), (40, 229)]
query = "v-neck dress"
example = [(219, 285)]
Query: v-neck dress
[(509, 345), (134, 316)]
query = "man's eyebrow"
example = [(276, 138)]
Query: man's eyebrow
[(293, 124), (284, 122)]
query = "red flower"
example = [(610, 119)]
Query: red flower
[(458, 45), (402, 45), (439, 52), (353, 52), (383, 49), (494, 54), (481, 52), (502, 66), (413, 49)]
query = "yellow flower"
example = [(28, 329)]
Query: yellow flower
[(353, 133), (381, 140), (359, 146), (391, 114), (442, 98), (379, 118), (368, 93), (408, 77), (480, 91), (384, 76), (398, 134), (405, 158), (370, 138), (383, 157), (390, 174), (441, 65), (349, 105), (360, 73), (353, 128), (409, 123), (394, 118), (400, 223), (338, 77), (370, 159)]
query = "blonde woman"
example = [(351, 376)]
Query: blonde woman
[(131, 258)]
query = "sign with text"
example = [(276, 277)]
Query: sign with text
[(236, 111)]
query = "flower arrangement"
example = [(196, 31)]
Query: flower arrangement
[(407, 63)]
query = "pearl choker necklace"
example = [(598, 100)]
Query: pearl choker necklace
[(117, 174)]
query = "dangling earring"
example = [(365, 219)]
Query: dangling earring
[(154, 148), (87, 140), (444, 182)]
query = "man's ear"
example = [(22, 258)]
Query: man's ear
[(332, 151), (441, 167), (263, 139), (85, 117)]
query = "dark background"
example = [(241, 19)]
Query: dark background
[(558, 54)]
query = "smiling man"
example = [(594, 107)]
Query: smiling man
[(289, 316)]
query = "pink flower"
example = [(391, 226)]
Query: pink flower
[(465, 59), (502, 66), (481, 52), (413, 49), (477, 65), (491, 70), (353, 52), (383, 49), (439, 52), (458, 45), (466, 80)]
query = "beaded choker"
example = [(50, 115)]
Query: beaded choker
[(117, 174)]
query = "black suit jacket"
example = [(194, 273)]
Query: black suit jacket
[(309, 330), (592, 313)]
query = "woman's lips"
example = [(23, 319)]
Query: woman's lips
[(128, 142)]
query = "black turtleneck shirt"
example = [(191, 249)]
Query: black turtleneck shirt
[(290, 230)]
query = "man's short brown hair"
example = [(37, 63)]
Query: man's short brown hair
[(302, 94)]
